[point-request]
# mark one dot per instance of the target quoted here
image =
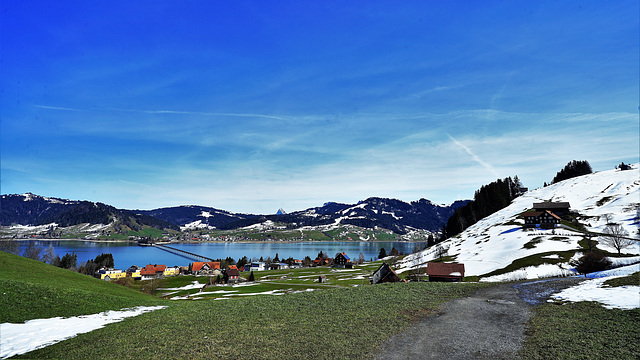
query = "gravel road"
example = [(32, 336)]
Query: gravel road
[(489, 324)]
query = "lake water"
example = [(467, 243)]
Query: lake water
[(127, 254)]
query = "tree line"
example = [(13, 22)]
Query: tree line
[(486, 201)]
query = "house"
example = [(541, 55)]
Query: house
[(110, 274), (341, 260), (257, 266), (544, 219), (152, 271), (232, 274), (558, 208), (134, 272), (385, 274), (204, 268), (171, 271), (445, 271), (276, 266), (297, 264)]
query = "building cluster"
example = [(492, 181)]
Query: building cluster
[(545, 215)]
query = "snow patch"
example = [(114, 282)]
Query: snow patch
[(35, 334)]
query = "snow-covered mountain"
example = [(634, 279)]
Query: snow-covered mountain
[(498, 240), (395, 215)]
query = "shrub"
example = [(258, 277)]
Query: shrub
[(591, 262)]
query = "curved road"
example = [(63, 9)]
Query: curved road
[(489, 324)]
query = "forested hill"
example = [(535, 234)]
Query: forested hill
[(30, 209)]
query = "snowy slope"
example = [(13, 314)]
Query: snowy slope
[(495, 241)]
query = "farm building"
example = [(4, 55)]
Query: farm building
[(385, 274), (544, 219), (341, 260), (558, 208), (445, 271)]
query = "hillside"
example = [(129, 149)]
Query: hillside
[(35, 210), (32, 290), (494, 243)]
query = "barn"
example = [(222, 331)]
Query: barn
[(445, 271)]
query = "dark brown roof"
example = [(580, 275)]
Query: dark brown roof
[(551, 205), (531, 213), (445, 269)]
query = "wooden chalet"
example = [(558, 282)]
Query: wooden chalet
[(385, 274), (558, 208), (445, 271), (341, 260), (544, 219)]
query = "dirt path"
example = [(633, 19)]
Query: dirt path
[(490, 324)]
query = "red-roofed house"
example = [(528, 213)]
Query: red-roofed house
[(232, 274), (152, 271), (204, 267), (445, 271)]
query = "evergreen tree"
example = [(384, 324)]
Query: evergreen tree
[(276, 259), (69, 261), (251, 277), (382, 254), (573, 169)]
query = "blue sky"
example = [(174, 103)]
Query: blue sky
[(251, 106)]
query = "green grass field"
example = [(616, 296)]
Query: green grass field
[(32, 290), (341, 323)]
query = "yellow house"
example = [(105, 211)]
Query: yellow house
[(171, 271), (111, 274)]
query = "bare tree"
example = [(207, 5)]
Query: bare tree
[(49, 255), (607, 218), (441, 252), (617, 237), (33, 251)]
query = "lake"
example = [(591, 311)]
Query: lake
[(127, 254)]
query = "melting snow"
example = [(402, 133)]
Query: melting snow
[(622, 297), (35, 334)]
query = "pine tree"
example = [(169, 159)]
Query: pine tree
[(382, 254)]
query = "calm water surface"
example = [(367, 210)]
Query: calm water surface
[(127, 254)]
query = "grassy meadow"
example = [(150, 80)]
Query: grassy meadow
[(33, 290), (342, 318)]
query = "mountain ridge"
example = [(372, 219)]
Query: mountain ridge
[(392, 214)]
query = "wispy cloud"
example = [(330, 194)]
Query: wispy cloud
[(475, 157), (57, 108)]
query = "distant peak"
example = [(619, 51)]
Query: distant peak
[(281, 212)]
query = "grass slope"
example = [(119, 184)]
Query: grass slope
[(341, 323), (33, 290)]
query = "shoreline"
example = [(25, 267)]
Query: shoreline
[(219, 242)]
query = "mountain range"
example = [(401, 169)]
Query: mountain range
[(395, 215)]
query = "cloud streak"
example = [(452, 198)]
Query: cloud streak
[(475, 157)]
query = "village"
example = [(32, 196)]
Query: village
[(325, 270), (543, 215)]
